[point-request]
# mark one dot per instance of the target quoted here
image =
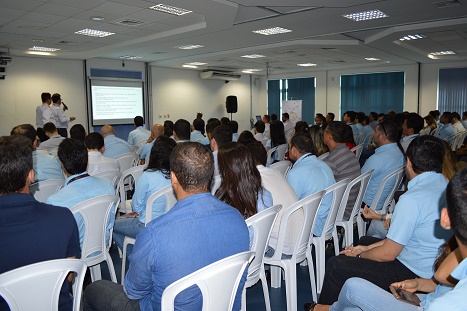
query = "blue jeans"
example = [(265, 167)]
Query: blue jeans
[(359, 294), (377, 230), (129, 227), (104, 295)]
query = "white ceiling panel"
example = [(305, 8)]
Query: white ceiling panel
[(80, 4), (116, 8), (58, 10)]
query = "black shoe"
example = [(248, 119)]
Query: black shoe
[(309, 306)]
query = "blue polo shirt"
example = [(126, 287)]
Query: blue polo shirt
[(446, 131), (46, 166), (115, 146)]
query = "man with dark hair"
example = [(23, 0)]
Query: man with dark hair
[(413, 240), (45, 166), (373, 120), (114, 146), (43, 115), (31, 231), (330, 117), (341, 160), (196, 232), (233, 125), (197, 132), (349, 119), (224, 120), (287, 123), (139, 135), (309, 175), (182, 131), (97, 163), (58, 116), (456, 123), (78, 132), (358, 121), (51, 145), (446, 130), (220, 136), (79, 186), (210, 126), (319, 119), (381, 118), (387, 158), (368, 130), (259, 129), (273, 117), (411, 128)]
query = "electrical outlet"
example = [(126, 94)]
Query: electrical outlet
[(168, 116), (160, 116)]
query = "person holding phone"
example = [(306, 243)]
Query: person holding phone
[(446, 290)]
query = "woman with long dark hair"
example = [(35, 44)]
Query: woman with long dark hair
[(276, 129)]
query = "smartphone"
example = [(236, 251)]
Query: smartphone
[(405, 296)]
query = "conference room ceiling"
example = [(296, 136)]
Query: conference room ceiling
[(319, 35)]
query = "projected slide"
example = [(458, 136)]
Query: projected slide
[(116, 104)]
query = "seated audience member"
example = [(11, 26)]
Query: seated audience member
[(196, 232), (373, 119), (97, 163), (358, 121), (341, 160), (456, 123), (411, 128), (282, 193), (156, 131), (309, 175), (114, 146), (430, 127), (274, 117), (155, 177), (349, 138), (368, 130), (444, 293), (241, 182), (79, 186), (316, 134), (31, 231), (301, 127), (78, 132), (182, 130), (330, 117), (381, 118), (319, 119), (233, 125), (139, 135), (464, 119), (288, 124), (446, 130), (210, 126), (169, 128), (246, 137), (51, 144), (220, 136), (349, 119), (267, 122), (259, 132), (224, 120), (277, 138), (197, 132), (414, 237), (45, 166)]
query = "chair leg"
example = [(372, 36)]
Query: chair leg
[(110, 264), (95, 272), (348, 234), (311, 271), (262, 277), (275, 277), (243, 308), (335, 239), (123, 262), (290, 270), (320, 263)]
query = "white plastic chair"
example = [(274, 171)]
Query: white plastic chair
[(308, 206), (282, 166), (358, 150), (262, 225), (98, 213), (37, 286), (125, 161), (218, 283), (361, 182), (280, 150), (337, 191), (134, 149), (129, 177), (169, 203), (216, 182), (457, 140), (269, 155), (289, 133), (323, 156), (42, 190), (396, 176), (113, 176)]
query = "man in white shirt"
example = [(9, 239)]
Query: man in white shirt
[(221, 135), (456, 123), (287, 123), (43, 115), (51, 145), (259, 132), (97, 163), (58, 116), (140, 135)]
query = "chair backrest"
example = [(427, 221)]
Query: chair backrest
[(98, 214), (289, 133), (457, 140), (42, 190), (134, 148), (125, 161), (134, 172), (323, 156), (169, 203), (281, 150), (37, 286), (362, 180), (269, 155), (435, 132), (216, 182), (218, 283), (337, 191), (395, 176), (309, 205), (282, 166), (113, 176), (262, 226), (358, 150)]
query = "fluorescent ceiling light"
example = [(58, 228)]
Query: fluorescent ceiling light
[(272, 31), (189, 46), (39, 53), (169, 9), (412, 37), (130, 57), (43, 49), (307, 65), (440, 53), (189, 66), (251, 70), (367, 15), (94, 33), (372, 58), (97, 18), (253, 56), (196, 64)]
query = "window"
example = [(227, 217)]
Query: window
[(452, 90)]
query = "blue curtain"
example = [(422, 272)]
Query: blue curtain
[(304, 89), (274, 98), (379, 92), (452, 90)]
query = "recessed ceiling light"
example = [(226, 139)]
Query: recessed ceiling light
[(189, 66), (367, 15), (253, 56), (130, 57), (371, 59), (251, 70), (42, 49), (196, 64), (169, 9), (307, 65), (97, 18), (412, 37), (37, 40), (272, 31), (443, 53), (189, 46), (94, 33)]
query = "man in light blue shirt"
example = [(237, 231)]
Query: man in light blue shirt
[(197, 133), (140, 135), (309, 175), (367, 129), (387, 158), (411, 128), (446, 129), (114, 146), (349, 119), (79, 186), (156, 131)]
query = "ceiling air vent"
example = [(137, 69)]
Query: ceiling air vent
[(446, 4), (130, 22)]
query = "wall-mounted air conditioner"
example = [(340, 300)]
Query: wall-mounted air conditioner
[(219, 75)]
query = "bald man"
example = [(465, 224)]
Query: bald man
[(114, 146), (156, 131)]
